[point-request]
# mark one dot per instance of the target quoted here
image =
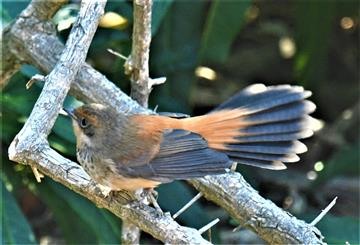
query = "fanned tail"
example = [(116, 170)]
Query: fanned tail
[(260, 126)]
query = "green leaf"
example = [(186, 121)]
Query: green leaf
[(89, 224), (174, 54), (14, 227), (313, 28), (159, 10), (222, 25)]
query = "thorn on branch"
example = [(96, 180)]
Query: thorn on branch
[(324, 212), (187, 205), (37, 174), (208, 226), (36, 77), (117, 54), (156, 81), (129, 66), (63, 112)]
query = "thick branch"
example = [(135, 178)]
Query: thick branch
[(9, 63), (42, 50), (58, 82), (70, 174), (39, 11), (243, 203)]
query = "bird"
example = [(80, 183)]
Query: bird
[(259, 126)]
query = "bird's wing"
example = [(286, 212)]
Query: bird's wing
[(182, 155)]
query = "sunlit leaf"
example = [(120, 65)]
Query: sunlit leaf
[(66, 16), (113, 20)]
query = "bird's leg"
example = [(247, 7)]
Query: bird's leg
[(151, 195)]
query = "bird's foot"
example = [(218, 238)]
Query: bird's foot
[(122, 196), (105, 190), (151, 196)]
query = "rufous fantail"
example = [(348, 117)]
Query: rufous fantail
[(259, 126)]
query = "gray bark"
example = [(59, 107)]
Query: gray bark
[(137, 66)]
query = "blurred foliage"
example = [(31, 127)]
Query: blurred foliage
[(14, 227), (219, 32), (310, 43)]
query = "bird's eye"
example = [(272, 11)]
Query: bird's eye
[(84, 123)]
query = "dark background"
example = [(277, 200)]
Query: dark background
[(314, 44)]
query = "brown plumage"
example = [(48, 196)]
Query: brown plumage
[(216, 128), (259, 126)]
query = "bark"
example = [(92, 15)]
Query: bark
[(138, 67), (138, 63), (252, 211)]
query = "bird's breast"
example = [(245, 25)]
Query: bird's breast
[(97, 169)]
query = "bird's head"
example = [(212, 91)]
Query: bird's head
[(95, 123)]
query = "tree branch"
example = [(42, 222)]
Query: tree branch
[(243, 203), (138, 62), (42, 48), (138, 65), (38, 11)]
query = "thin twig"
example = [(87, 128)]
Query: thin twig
[(156, 81), (37, 174), (324, 212), (137, 64)]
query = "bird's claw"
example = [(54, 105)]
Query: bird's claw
[(151, 195)]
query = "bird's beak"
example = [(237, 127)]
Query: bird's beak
[(69, 112)]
